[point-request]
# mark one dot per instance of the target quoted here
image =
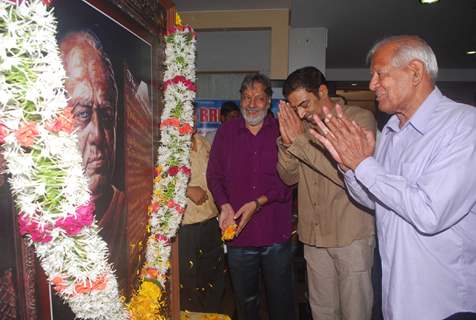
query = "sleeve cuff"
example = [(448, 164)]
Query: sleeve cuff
[(367, 172), (271, 196)]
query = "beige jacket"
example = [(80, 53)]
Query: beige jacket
[(327, 215), (198, 163)]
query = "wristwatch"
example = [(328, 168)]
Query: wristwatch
[(258, 205)]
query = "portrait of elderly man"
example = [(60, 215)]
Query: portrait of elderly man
[(93, 96)]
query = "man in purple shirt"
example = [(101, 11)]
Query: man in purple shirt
[(244, 182), (420, 180)]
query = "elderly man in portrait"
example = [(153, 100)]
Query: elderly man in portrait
[(420, 180), (93, 97)]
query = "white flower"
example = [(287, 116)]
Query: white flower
[(54, 158)]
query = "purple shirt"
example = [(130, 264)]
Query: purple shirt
[(241, 168), (422, 184)]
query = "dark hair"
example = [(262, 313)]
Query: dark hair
[(228, 107), (251, 79), (308, 78)]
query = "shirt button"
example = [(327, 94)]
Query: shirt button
[(254, 187)]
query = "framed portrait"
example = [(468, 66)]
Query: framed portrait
[(113, 53)]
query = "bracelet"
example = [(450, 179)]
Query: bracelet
[(258, 205)]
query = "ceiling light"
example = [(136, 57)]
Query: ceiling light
[(428, 1), (354, 84), (471, 52)]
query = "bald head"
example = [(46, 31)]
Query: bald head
[(406, 48)]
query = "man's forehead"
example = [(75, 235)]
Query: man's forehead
[(256, 88)]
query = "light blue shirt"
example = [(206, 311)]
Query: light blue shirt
[(422, 184)]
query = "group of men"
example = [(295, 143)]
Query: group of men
[(416, 183)]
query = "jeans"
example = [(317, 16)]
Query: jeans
[(275, 263)]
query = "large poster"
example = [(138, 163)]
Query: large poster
[(109, 72)]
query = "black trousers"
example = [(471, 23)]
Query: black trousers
[(202, 267)]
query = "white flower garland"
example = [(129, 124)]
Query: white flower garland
[(46, 176), (172, 171), (45, 165)]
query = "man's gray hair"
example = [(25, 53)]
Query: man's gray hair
[(409, 48), (250, 80)]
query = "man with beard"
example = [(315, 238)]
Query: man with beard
[(93, 98), (338, 236), (242, 177)]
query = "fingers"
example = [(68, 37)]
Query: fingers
[(246, 216), (370, 135), (238, 213), (221, 222), (324, 129), (240, 227), (339, 111), (283, 123), (320, 138)]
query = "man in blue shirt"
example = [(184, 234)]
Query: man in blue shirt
[(420, 179)]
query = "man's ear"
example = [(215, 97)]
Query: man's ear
[(417, 68), (323, 91)]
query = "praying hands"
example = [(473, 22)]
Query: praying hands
[(348, 143)]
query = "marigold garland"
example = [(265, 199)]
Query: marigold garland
[(172, 171), (40, 148)]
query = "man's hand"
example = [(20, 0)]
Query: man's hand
[(197, 195), (245, 212), (290, 125), (348, 143), (226, 216)]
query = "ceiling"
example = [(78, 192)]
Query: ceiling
[(449, 26)]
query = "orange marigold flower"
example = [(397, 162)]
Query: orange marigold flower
[(99, 284), (158, 171), (185, 129), (58, 284), (154, 206), (64, 122), (173, 122), (152, 273), (26, 134), (230, 232)]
